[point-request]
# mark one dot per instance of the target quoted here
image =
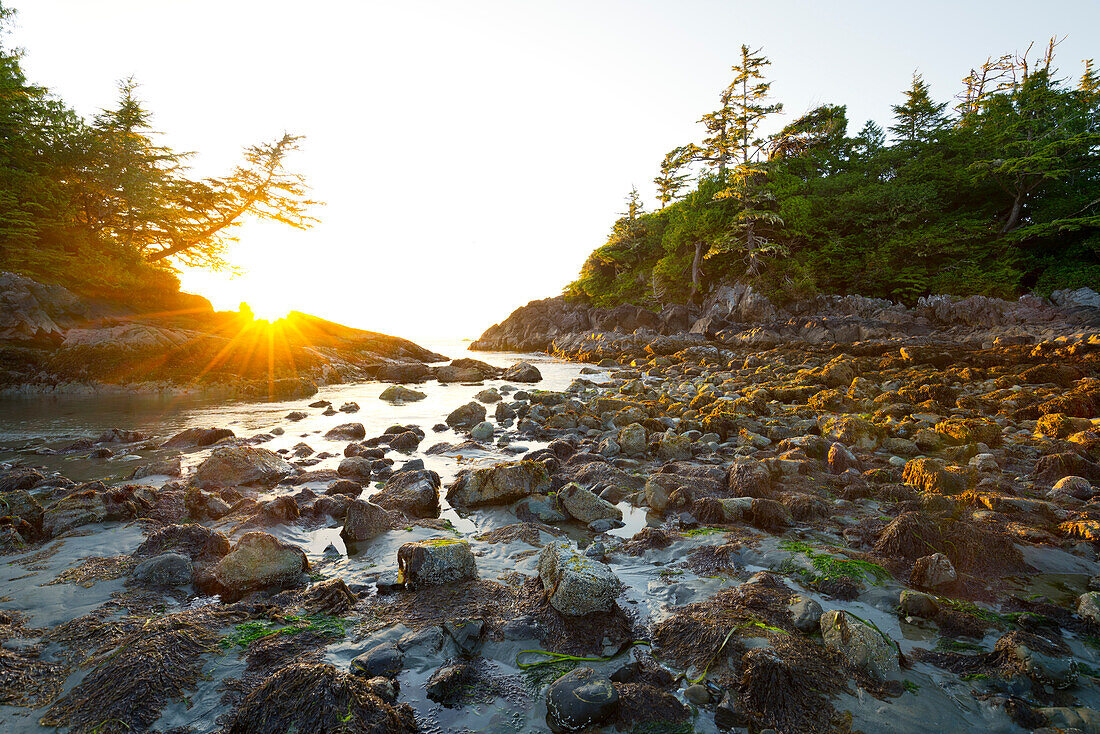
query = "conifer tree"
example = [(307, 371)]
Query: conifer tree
[(919, 118), (671, 181)]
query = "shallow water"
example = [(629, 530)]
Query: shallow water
[(32, 428)]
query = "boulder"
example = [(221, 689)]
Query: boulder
[(80, 507), (586, 506), (383, 660), (581, 699), (414, 492), (231, 466), (165, 570), (861, 645), (365, 520), (482, 431), (259, 561), (401, 394), (347, 432), (197, 437), (358, 467), (632, 440), (497, 485), (932, 571), (935, 477), (466, 416), (436, 562), (673, 447), (522, 372), (575, 584), (172, 467), (1088, 606)]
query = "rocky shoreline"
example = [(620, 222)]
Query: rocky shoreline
[(698, 531)]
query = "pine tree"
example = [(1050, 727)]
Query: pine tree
[(671, 181), (919, 118)]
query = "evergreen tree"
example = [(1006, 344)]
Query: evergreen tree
[(671, 181), (919, 118)]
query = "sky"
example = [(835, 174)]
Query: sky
[(472, 154)]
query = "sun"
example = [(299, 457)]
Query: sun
[(266, 310)]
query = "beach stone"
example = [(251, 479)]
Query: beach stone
[(349, 407), (172, 467), (405, 441), (932, 571), (466, 633), (466, 416), (191, 438), (576, 585), (806, 613), (632, 440), (296, 415), (364, 521), (347, 432), (482, 431), (414, 492), (500, 484), (347, 487), (259, 561), (697, 694), (489, 395), (918, 604), (19, 479), (861, 645), (1077, 487), (359, 467), (384, 660), (231, 466), (522, 372), (436, 561), (581, 698), (673, 447), (1088, 606), (585, 506), (165, 570), (841, 459), (504, 412), (609, 447), (935, 477), (401, 394), (984, 462), (120, 435), (21, 504), (445, 682), (540, 508)]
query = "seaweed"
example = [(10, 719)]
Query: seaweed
[(831, 568), (245, 633)]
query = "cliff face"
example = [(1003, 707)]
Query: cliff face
[(739, 314), (53, 339)]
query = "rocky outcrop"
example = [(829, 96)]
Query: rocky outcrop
[(55, 340), (740, 315)]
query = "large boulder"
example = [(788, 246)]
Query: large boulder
[(83, 506), (195, 437), (231, 466), (401, 394), (436, 562), (860, 644), (632, 440), (935, 477), (259, 561), (347, 432), (581, 699), (364, 521), (576, 584), (522, 372), (466, 416), (586, 506), (414, 492), (498, 485)]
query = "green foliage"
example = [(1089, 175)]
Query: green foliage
[(998, 197), (101, 207)]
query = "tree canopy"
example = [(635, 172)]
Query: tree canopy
[(101, 205), (998, 194)]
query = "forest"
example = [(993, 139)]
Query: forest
[(100, 207), (995, 192)]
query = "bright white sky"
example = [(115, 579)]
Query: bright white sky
[(472, 154)]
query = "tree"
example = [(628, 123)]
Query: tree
[(749, 102), (670, 181), (919, 118)]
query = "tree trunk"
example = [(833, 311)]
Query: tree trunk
[(1014, 214), (696, 264)]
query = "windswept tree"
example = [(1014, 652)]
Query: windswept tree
[(672, 179)]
